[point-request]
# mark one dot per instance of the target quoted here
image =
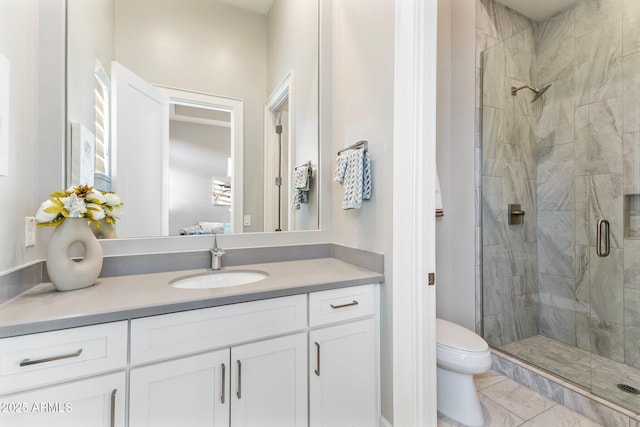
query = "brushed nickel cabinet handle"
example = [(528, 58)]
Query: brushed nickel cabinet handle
[(113, 407), (239, 391), (344, 305), (27, 362), (317, 370), (607, 243), (224, 377)]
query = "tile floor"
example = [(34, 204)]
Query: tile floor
[(589, 370), (506, 403)]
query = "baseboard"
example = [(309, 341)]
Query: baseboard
[(382, 422)]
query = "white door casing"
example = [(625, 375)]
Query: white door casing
[(414, 142)]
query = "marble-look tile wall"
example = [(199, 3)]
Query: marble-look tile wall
[(509, 268), (570, 159)]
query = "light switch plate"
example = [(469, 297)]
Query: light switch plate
[(29, 231), (247, 221)]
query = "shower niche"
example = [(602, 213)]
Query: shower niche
[(632, 216)]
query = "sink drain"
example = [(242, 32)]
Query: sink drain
[(628, 389)]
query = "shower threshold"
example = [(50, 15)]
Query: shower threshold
[(595, 373)]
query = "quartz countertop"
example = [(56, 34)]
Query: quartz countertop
[(42, 308)]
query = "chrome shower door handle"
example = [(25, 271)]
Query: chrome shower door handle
[(603, 224)]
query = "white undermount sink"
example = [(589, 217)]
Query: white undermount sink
[(218, 279)]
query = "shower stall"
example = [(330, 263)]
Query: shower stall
[(560, 162)]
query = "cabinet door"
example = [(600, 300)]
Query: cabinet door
[(269, 383), (191, 391), (342, 377), (92, 402)]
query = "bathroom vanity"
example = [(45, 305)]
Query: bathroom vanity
[(298, 348)]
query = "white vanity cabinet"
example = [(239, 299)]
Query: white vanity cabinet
[(53, 378), (342, 358), (98, 402), (257, 378), (190, 391), (293, 361), (269, 383), (264, 385)]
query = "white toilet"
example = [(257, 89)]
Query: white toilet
[(461, 354)]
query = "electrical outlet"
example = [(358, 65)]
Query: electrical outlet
[(29, 231), (247, 221)]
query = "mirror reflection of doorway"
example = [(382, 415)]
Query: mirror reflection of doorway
[(279, 152), (181, 201), (199, 170)]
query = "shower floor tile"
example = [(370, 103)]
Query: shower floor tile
[(598, 373), (506, 403)]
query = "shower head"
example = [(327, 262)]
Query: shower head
[(538, 92)]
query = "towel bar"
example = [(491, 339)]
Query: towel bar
[(357, 145)]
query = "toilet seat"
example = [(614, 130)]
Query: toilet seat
[(456, 337)]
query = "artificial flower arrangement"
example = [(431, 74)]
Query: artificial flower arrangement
[(82, 201)]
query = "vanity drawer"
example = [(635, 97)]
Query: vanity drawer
[(176, 334), (33, 360), (337, 305)]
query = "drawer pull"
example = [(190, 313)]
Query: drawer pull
[(239, 390), (113, 407), (317, 370), (224, 376), (27, 362), (344, 305)]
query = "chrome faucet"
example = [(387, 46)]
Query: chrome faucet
[(216, 254)]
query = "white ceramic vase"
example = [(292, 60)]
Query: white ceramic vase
[(65, 273)]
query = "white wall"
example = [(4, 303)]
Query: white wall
[(456, 231), (209, 47), (18, 190), (292, 30), (363, 109)]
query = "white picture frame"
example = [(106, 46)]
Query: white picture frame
[(83, 154)]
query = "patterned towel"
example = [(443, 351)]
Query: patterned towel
[(301, 184), (301, 177), (356, 179), (341, 167)]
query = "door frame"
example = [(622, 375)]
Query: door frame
[(414, 154), (285, 91)]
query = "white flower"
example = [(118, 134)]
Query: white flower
[(96, 196), (80, 201), (112, 199), (74, 205), (95, 211), (114, 212), (42, 216)]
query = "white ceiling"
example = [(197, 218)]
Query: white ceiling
[(538, 10), (257, 6)]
